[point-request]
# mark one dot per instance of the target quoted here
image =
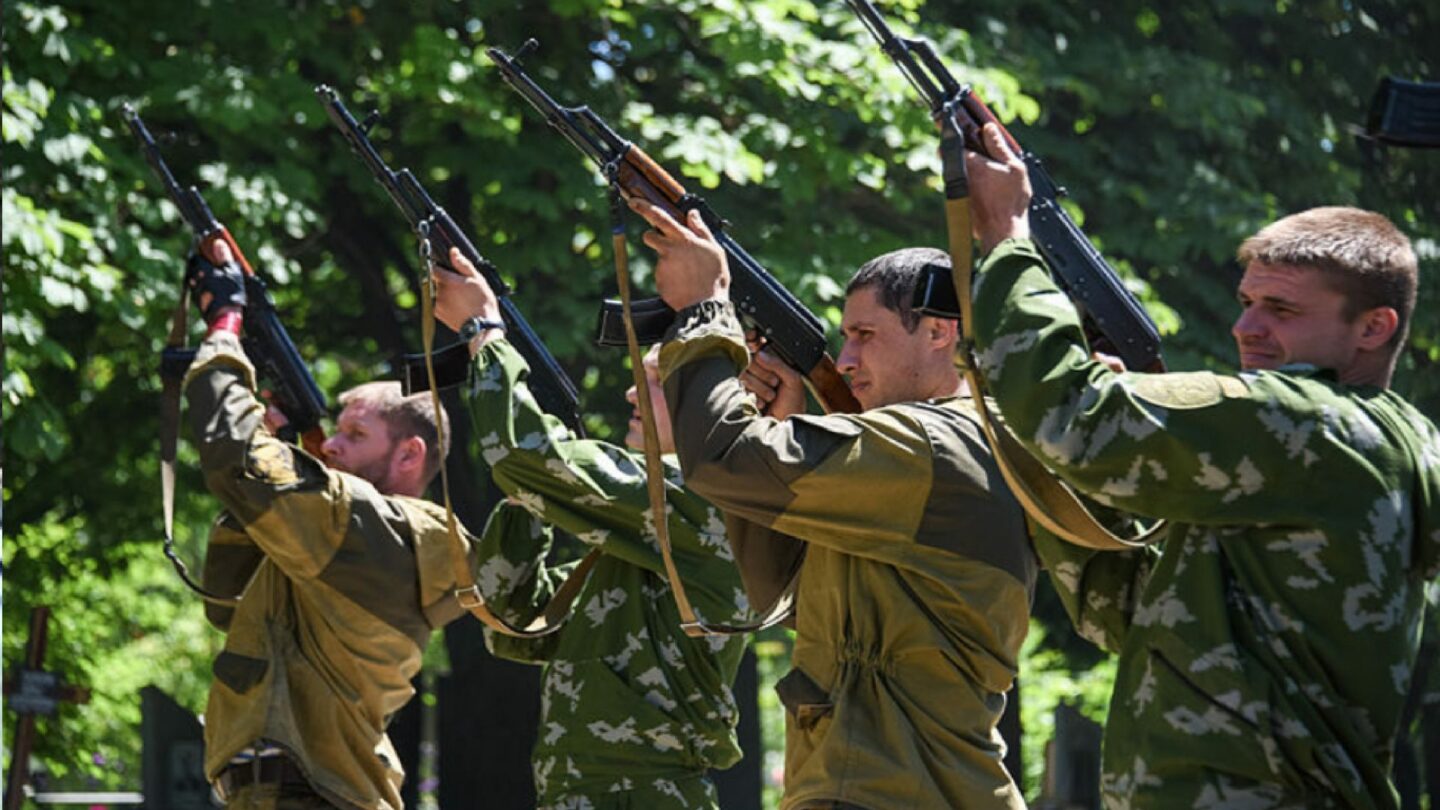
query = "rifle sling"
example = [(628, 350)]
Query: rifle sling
[(1045, 498), (693, 625), (169, 443), (553, 616)]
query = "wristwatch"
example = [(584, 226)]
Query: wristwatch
[(472, 327)]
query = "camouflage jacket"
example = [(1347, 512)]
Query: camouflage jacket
[(344, 587), (632, 710), (914, 594), (1266, 648)]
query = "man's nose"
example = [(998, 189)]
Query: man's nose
[(631, 396), (1250, 324), (848, 360), (329, 447)]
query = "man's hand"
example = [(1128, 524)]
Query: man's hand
[(999, 192), (778, 387), (215, 280), (275, 419), (463, 294), (691, 266), (1110, 361)]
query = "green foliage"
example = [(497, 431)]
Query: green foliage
[(1048, 678), (772, 650), (1181, 128)]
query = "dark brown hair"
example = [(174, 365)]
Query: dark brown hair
[(895, 275), (405, 417), (1365, 257)]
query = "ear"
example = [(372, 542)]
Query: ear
[(1378, 326), (410, 454), (941, 332)]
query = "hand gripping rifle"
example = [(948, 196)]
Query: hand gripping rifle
[(548, 381), (793, 332), (1116, 322), (266, 343)]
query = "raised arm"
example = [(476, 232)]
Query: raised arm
[(593, 490), (271, 487), (798, 475), (1144, 443)]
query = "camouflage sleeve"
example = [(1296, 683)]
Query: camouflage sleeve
[(844, 481), (1097, 588), (272, 488), (515, 581), (1144, 443), (593, 490)]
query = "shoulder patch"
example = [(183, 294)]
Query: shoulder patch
[(1186, 390), (273, 462)]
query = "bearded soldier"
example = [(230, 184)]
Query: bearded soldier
[(342, 573)]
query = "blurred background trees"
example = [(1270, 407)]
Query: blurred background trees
[(1179, 127)]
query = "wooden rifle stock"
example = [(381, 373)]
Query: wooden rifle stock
[(638, 175)]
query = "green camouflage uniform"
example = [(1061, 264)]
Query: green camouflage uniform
[(345, 585), (915, 591), (1266, 648), (633, 711)]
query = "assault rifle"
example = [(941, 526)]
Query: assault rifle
[(1115, 319), (793, 332), (266, 342), (553, 390)]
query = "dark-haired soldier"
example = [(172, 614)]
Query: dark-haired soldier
[(344, 573), (1266, 651), (915, 591)]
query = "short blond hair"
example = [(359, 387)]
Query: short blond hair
[(1366, 258), (405, 417)]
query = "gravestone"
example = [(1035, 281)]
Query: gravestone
[(172, 767), (31, 693), (1072, 773)]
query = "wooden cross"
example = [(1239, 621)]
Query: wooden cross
[(34, 692)]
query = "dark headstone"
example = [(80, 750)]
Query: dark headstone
[(490, 710), (1073, 773), (172, 754)]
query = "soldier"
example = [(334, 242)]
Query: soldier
[(915, 591), (1267, 648), (633, 711), (344, 574)]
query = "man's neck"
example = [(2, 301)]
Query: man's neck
[(952, 385), (1369, 369), (412, 490)]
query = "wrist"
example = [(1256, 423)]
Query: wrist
[(720, 293), (992, 237), (477, 330), (226, 319)]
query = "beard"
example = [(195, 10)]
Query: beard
[(377, 471)]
